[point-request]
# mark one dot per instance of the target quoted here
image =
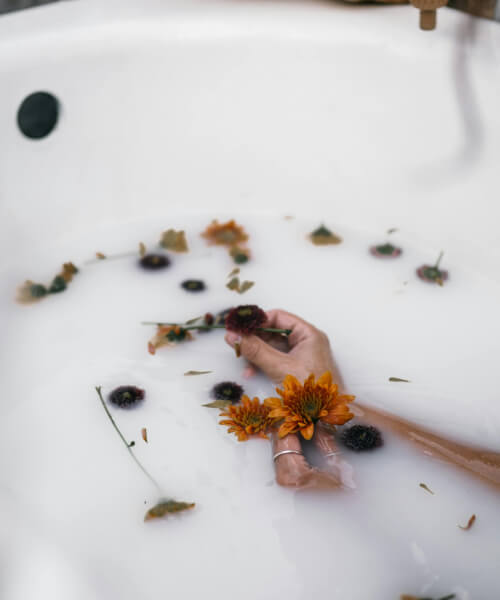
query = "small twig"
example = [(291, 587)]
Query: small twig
[(127, 445), (91, 261)]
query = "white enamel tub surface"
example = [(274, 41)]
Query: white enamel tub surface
[(345, 114)]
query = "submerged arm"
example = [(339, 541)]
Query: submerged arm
[(481, 463)]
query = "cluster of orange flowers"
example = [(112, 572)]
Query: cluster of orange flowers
[(298, 409), (232, 236)]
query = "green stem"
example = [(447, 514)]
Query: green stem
[(268, 329), (111, 257), (153, 481), (436, 266)]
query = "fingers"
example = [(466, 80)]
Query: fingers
[(284, 320), (323, 440), (262, 355)]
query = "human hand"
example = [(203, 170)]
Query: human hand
[(306, 350)]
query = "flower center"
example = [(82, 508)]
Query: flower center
[(310, 407), (245, 312)]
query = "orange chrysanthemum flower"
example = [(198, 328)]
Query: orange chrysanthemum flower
[(248, 418), (225, 234), (168, 335), (301, 406)]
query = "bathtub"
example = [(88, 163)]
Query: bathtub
[(347, 113)]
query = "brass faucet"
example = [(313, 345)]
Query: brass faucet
[(489, 9), (428, 10)]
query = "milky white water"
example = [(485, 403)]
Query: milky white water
[(72, 501)]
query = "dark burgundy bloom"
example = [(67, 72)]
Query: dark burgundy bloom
[(385, 251), (126, 396), (227, 390), (245, 319), (432, 274), (362, 437), (193, 285), (154, 262)]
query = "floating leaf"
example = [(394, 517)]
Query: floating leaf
[(234, 272), (218, 404), (31, 292), (167, 507), (239, 255), (242, 287), (142, 249), (188, 373), (323, 237), (234, 284), (100, 255), (426, 488), (398, 379), (470, 523), (246, 285), (191, 321), (174, 240), (144, 434)]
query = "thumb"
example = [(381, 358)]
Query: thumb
[(259, 353)]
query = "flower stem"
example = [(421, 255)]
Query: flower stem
[(127, 445), (111, 257), (436, 266), (268, 329)]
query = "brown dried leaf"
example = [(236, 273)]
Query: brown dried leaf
[(144, 433), (234, 284), (188, 373), (323, 237), (426, 488), (470, 523), (288, 217), (142, 249), (398, 379), (218, 404), (234, 272), (68, 270), (174, 240), (166, 507), (246, 285), (191, 321), (100, 255)]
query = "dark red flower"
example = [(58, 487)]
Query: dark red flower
[(362, 437), (385, 251), (153, 262), (193, 285), (126, 396), (432, 274), (227, 390), (245, 319)]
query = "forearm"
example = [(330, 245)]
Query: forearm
[(482, 463)]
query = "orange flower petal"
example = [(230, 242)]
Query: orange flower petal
[(325, 379), (307, 432), (272, 402)]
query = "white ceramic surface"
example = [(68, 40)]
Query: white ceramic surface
[(344, 113)]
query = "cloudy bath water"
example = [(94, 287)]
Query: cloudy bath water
[(73, 502)]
